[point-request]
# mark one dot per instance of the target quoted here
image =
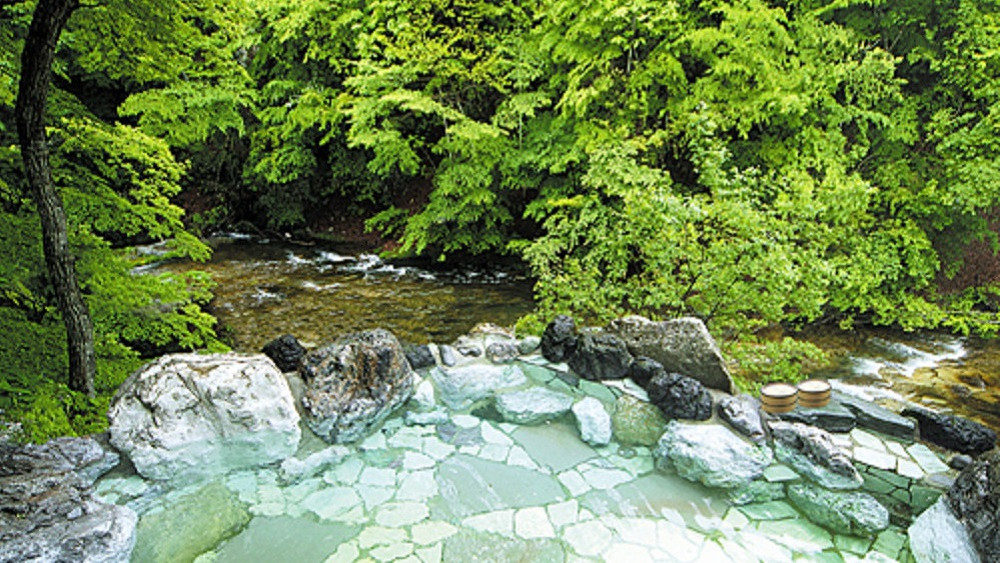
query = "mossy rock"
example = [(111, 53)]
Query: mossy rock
[(187, 527), (637, 423)]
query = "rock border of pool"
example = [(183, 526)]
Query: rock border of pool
[(851, 467)]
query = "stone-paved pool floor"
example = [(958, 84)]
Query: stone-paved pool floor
[(474, 489)]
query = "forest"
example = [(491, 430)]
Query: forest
[(753, 163)]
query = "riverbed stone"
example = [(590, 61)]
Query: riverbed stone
[(711, 454), (188, 415), (679, 396), (874, 417), (502, 351), (419, 356), (47, 508), (183, 528), (285, 351), (681, 345), (742, 414), (953, 432), (354, 384), (532, 406), (856, 513), (936, 535), (447, 354), (559, 339), (813, 454), (974, 499), (461, 387), (636, 423), (593, 421)]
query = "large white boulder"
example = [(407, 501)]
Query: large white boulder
[(711, 454), (188, 415), (937, 536)]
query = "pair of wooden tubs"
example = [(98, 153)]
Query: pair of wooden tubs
[(780, 398)]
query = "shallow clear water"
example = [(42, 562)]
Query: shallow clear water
[(318, 294)]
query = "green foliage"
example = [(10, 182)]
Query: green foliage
[(757, 362), (117, 183), (749, 162)]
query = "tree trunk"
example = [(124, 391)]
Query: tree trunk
[(36, 72)]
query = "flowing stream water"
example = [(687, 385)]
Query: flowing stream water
[(476, 488)]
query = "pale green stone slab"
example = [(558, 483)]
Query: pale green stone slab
[(377, 477), (799, 535), (928, 460), (875, 458), (774, 510), (574, 482), (419, 485), (331, 502), (589, 539), (852, 544), (426, 533), (867, 440), (780, 473), (603, 479), (563, 513), (372, 536), (533, 523), (400, 514), (909, 469), (431, 554), (391, 552), (497, 522), (897, 449)]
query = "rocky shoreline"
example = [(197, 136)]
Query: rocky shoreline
[(851, 467)]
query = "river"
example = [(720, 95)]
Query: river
[(269, 288)]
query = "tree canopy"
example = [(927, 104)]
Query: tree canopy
[(749, 162)]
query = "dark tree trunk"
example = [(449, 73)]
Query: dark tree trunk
[(36, 73)]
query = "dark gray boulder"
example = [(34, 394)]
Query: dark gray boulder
[(678, 396), (643, 369), (47, 510), (559, 339), (742, 413), (874, 417), (680, 345), (952, 432), (419, 356), (354, 384), (600, 356), (975, 500), (285, 351), (832, 417)]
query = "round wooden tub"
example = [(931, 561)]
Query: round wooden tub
[(778, 397)]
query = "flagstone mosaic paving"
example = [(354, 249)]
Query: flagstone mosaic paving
[(472, 488)]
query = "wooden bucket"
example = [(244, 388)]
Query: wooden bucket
[(778, 398), (814, 393)]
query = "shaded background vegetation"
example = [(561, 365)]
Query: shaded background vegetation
[(753, 163)]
